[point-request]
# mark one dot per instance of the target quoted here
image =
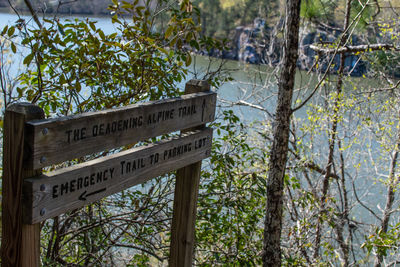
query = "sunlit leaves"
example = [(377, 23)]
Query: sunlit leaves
[(78, 61), (231, 199), (382, 242)]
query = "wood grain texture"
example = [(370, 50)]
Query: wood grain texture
[(20, 242), (184, 217), (185, 201), (93, 132), (73, 187)]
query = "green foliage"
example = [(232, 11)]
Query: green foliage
[(383, 242), (364, 10), (317, 9), (74, 66), (231, 201), (386, 61), (219, 18)]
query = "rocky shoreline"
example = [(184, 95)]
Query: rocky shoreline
[(258, 44)]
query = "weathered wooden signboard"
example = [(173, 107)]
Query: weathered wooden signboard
[(92, 132), (70, 188), (31, 143)]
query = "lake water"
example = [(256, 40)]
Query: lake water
[(253, 84)]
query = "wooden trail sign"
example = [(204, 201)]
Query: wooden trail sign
[(31, 143), (92, 132), (73, 187)]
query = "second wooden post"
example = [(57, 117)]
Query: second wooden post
[(185, 200)]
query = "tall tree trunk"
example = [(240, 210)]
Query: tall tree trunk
[(279, 150)]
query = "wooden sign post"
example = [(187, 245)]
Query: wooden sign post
[(20, 242), (31, 143), (185, 200)]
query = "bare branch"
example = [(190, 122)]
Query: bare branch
[(354, 48), (363, 205), (378, 9), (33, 13), (140, 249), (394, 87)]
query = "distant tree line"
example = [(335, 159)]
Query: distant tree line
[(92, 7)]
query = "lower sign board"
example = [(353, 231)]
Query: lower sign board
[(63, 190)]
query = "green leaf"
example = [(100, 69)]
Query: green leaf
[(163, 50), (11, 31), (113, 35), (126, 5), (60, 29), (188, 60), (28, 59), (115, 19), (4, 30), (13, 48), (25, 41), (168, 32), (92, 25), (195, 44), (102, 36), (78, 87)]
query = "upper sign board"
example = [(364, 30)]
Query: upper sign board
[(56, 140)]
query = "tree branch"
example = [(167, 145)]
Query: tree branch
[(33, 13), (140, 249), (354, 48)]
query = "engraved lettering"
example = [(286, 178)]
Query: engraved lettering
[(200, 143), (177, 151), (72, 185), (69, 135), (125, 125), (76, 134), (187, 111), (55, 191), (86, 181), (154, 158), (83, 133), (101, 129), (92, 179), (105, 176), (64, 188), (160, 116), (95, 130), (99, 177), (80, 183), (122, 167)]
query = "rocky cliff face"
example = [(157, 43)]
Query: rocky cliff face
[(258, 44), (307, 57)]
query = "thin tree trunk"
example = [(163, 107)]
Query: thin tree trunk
[(279, 150)]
